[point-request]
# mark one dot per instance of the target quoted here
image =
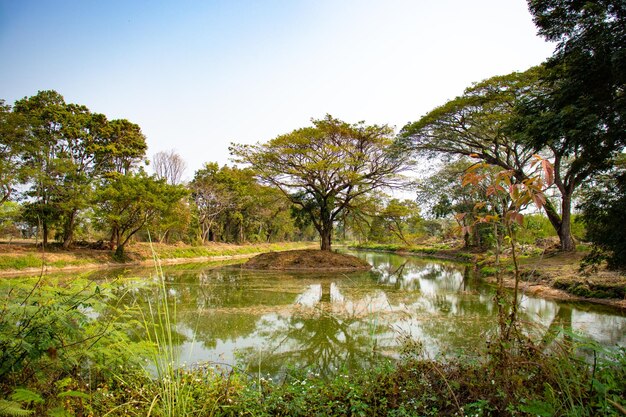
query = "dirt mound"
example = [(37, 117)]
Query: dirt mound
[(307, 260)]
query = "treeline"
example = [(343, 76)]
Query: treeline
[(70, 174), (73, 172)]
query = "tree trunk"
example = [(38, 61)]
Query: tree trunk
[(565, 232), (326, 236), (44, 233), (68, 234), (119, 252), (562, 223), (114, 237)]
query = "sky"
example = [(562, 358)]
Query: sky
[(198, 75)]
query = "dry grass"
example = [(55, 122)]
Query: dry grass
[(18, 257), (307, 260)]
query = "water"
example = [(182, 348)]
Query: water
[(265, 322)]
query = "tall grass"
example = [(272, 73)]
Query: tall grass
[(174, 392)]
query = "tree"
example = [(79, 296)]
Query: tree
[(170, 166), (604, 215), (480, 124), (444, 195), (41, 155), (401, 219), (212, 197), (65, 148), (11, 132), (126, 203), (324, 168), (124, 148), (579, 111)]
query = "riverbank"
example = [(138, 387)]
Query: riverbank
[(23, 257), (554, 275)]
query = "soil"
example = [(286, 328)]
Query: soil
[(557, 275), (307, 260)]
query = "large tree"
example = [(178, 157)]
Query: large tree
[(604, 215), (483, 124), (579, 111), (42, 157), (322, 169)]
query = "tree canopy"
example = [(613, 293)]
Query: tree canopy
[(322, 169)]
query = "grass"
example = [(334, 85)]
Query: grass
[(441, 251), (23, 256), (20, 262)]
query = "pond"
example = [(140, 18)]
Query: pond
[(265, 322)]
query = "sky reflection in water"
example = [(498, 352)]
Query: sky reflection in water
[(269, 321)]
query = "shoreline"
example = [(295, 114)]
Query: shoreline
[(541, 289), (111, 265), (139, 256)]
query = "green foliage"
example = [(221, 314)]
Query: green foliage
[(57, 151), (20, 262), (126, 203), (231, 206), (604, 215), (397, 221), (324, 169), (53, 332)]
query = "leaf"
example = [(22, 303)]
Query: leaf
[(26, 396), (539, 199), (11, 408), (548, 171), (516, 217), (538, 408), (72, 393), (59, 412)]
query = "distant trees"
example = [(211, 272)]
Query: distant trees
[(66, 168), (399, 220), (232, 206), (126, 203), (169, 166), (64, 149), (323, 169), (11, 132)]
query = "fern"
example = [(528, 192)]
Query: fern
[(75, 394), (12, 408), (59, 412), (23, 395)]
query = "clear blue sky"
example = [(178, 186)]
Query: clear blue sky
[(197, 75)]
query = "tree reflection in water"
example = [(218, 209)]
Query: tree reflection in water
[(273, 320), (324, 334)]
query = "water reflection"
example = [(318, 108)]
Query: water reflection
[(268, 321)]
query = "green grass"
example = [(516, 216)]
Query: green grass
[(32, 260), (437, 251), (20, 262)]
